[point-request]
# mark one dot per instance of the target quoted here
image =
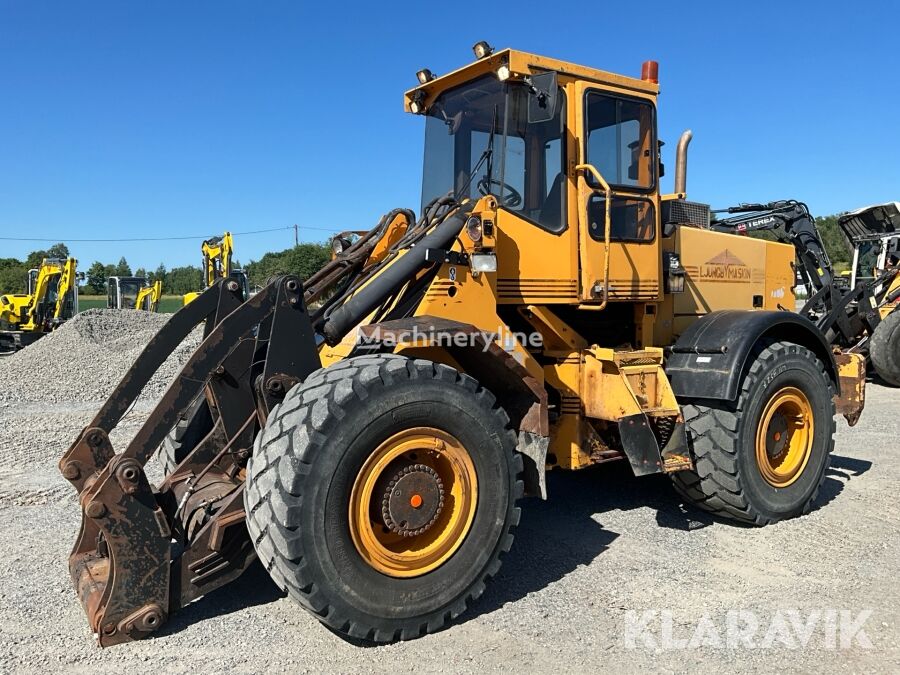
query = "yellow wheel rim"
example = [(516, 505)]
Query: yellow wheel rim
[(413, 502), (784, 437)]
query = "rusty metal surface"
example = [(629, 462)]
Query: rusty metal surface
[(852, 397), (120, 509)]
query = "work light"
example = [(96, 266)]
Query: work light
[(482, 49), (473, 228)]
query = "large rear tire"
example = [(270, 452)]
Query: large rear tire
[(884, 349), (763, 458), (381, 495)]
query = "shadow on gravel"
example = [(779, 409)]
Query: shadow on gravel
[(253, 587), (842, 469), (560, 534)]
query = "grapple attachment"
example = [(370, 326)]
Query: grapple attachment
[(144, 552)]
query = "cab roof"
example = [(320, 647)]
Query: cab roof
[(522, 64)]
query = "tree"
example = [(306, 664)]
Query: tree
[(122, 269), (303, 260), (35, 258), (835, 244), (12, 276), (96, 277), (181, 280), (59, 250), (140, 272)]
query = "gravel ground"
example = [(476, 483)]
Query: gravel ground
[(585, 565), (99, 345)]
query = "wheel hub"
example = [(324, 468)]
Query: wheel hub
[(784, 438), (413, 500), (777, 436)]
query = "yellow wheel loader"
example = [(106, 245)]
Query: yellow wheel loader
[(52, 298), (217, 254), (369, 434), (133, 293)]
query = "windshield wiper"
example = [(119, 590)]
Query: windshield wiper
[(486, 156)]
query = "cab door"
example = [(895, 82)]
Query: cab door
[(620, 159)]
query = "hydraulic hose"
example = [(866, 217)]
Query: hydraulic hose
[(404, 268)]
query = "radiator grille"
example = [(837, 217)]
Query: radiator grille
[(680, 212)]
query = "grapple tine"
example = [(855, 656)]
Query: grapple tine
[(120, 565)]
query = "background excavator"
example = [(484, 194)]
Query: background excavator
[(217, 255), (133, 293), (52, 298), (854, 317)]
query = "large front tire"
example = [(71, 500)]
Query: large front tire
[(381, 495), (763, 458)]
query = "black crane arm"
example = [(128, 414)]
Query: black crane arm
[(792, 223)]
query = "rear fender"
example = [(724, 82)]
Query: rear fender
[(710, 358)]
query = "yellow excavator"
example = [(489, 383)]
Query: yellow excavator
[(217, 254), (368, 433), (133, 293), (52, 298)]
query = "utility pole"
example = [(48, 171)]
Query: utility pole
[(296, 236)]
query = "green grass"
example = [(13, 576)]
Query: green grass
[(167, 303)]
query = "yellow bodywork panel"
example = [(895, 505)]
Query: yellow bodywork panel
[(724, 271), (459, 295), (523, 277), (617, 384)]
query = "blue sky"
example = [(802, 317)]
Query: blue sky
[(127, 119)]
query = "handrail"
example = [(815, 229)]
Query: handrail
[(608, 193)]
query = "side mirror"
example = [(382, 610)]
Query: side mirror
[(542, 101), (635, 166)]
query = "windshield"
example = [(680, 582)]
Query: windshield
[(525, 168)]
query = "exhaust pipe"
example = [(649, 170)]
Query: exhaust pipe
[(681, 162)]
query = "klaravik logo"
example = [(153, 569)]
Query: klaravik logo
[(725, 267)]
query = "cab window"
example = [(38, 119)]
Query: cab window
[(620, 140)]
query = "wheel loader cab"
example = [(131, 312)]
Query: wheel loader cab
[(548, 170)]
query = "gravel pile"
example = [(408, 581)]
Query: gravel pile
[(86, 358)]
